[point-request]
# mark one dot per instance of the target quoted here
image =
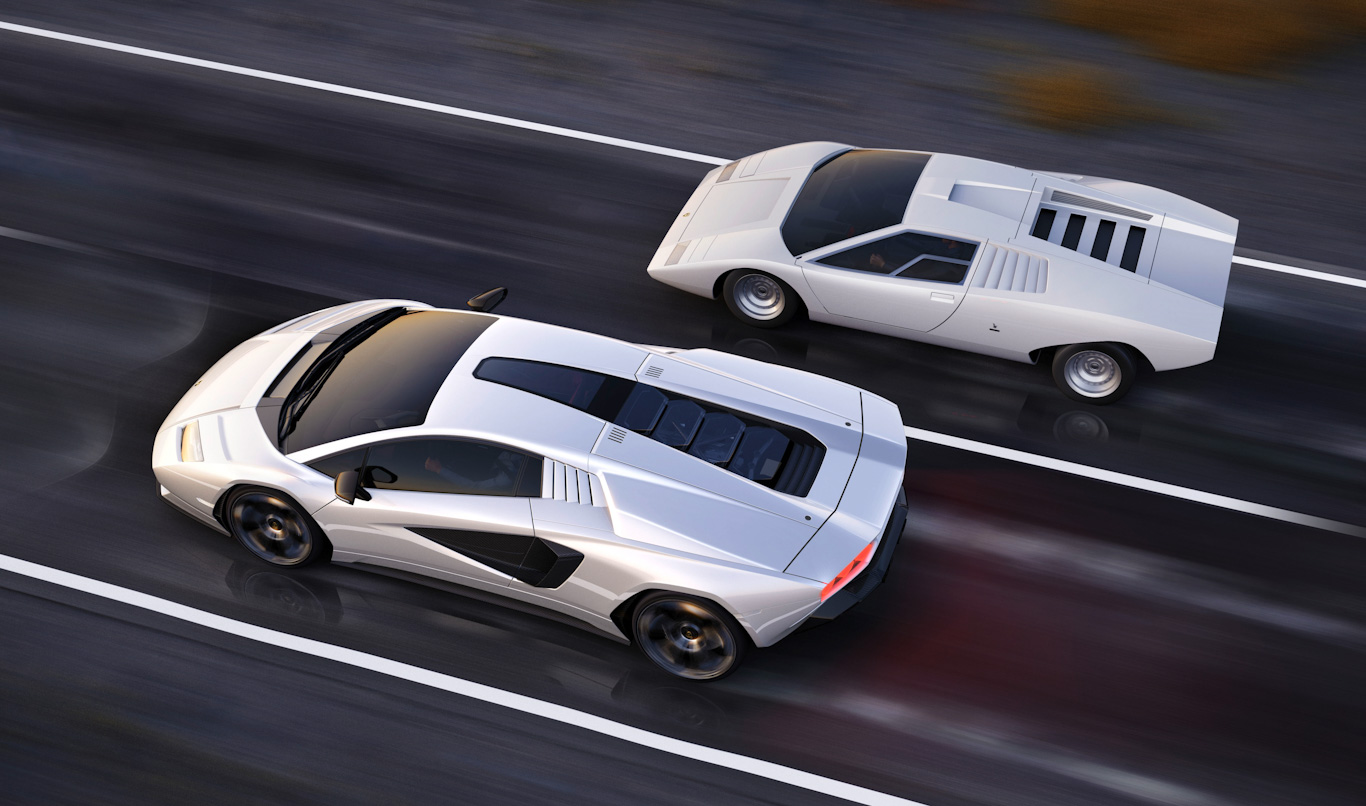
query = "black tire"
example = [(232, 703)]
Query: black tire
[(688, 637), (1098, 374), (274, 528), (760, 299)]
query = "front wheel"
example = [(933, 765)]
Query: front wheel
[(274, 528), (687, 636), (759, 299), (1094, 373)]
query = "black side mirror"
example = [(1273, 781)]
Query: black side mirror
[(487, 301), (348, 487)]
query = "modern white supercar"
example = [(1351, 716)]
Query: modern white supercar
[(692, 502), (1098, 275)]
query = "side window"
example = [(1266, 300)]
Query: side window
[(911, 255), (336, 463), (451, 466)]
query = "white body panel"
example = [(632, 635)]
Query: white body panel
[(1166, 301), (643, 515)]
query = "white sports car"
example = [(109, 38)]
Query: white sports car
[(1099, 275), (692, 502)]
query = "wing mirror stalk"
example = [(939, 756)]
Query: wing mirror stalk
[(348, 487), (487, 301)]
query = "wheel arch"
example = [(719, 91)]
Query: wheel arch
[(621, 614)]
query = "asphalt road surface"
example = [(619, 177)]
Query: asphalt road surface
[(1042, 638)]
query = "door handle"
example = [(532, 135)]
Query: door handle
[(939, 296)]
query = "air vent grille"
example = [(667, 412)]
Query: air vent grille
[(654, 372), (1010, 270), (563, 482), (1063, 197), (616, 435)]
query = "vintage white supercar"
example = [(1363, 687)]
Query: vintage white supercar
[(692, 502), (1098, 275)]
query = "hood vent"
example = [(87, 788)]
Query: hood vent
[(772, 454), (1010, 270), (1062, 197)]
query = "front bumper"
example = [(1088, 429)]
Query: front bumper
[(860, 586)]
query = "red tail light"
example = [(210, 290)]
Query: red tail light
[(850, 571)]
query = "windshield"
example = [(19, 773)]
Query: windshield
[(378, 375), (853, 194)]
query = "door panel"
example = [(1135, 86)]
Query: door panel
[(381, 530), (908, 279)]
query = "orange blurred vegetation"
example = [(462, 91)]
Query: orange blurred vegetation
[(1235, 36), (1069, 96)]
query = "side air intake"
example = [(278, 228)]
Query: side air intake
[(1011, 270)]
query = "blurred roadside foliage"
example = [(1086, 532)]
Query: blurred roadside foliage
[(1234, 36), (1073, 96)]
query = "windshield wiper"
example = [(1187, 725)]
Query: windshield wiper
[(306, 390)]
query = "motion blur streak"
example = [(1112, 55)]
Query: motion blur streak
[(359, 93), (498, 119), (1137, 482), (455, 685), (1296, 270)]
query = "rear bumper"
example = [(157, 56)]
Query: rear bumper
[(860, 586)]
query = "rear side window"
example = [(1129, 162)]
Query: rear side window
[(462, 467), (910, 255)]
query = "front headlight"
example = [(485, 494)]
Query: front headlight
[(191, 450)]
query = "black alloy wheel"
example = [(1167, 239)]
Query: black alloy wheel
[(688, 637), (274, 528)]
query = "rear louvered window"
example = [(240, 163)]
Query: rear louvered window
[(1133, 245), (786, 459), (1072, 235)]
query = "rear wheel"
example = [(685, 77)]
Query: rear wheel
[(760, 299), (687, 636), (274, 528), (1094, 373)]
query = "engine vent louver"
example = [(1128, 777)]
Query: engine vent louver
[(654, 372), (566, 483), (1011, 270), (1063, 197), (772, 454)]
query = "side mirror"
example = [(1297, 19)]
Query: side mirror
[(348, 487), (487, 301)]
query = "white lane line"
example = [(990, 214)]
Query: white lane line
[(456, 685), (501, 120), (1136, 482), (1296, 270), (359, 93)]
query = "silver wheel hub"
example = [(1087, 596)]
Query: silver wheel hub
[(759, 296), (1091, 373)]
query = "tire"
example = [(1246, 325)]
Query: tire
[(760, 299), (274, 528), (1098, 374), (688, 637)]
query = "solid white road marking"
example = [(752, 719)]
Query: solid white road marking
[(359, 93), (1136, 482), (1296, 270), (487, 118), (456, 685)]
